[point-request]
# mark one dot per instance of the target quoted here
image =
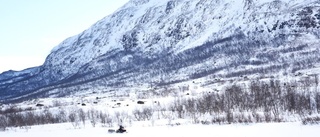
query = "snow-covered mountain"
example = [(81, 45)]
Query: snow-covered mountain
[(151, 43)]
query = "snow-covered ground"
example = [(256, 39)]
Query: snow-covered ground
[(189, 130)]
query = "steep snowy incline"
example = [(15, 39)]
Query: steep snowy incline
[(152, 26), (152, 42)]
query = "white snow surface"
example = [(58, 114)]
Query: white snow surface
[(238, 130)]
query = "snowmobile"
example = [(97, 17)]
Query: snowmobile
[(120, 130)]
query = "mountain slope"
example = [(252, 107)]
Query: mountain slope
[(150, 43)]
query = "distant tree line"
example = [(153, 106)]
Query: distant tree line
[(258, 101)]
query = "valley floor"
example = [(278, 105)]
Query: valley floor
[(235, 130)]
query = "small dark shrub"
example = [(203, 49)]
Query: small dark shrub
[(140, 102), (311, 120)]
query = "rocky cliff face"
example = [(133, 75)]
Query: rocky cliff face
[(151, 43)]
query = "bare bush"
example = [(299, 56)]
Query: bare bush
[(218, 120), (177, 107), (147, 112), (103, 118), (137, 115), (11, 109), (15, 120), (122, 117), (311, 120), (3, 123), (62, 116), (229, 117), (30, 118), (82, 116), (57, 103), (49, 118), (106, 119), (73, 118), (143, 114), (93, 116)]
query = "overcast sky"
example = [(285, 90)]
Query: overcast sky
[(29, 29)]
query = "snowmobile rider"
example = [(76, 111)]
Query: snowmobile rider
[(121, 129)]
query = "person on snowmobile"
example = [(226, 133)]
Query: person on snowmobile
[(121, 129)]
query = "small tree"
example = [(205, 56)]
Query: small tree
[(93, 115), (3, 123), (106, 119), (82, 116), (62, 116), (73, 118)]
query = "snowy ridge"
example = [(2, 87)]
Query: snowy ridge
[(150, 43)]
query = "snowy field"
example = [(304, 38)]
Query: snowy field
[(237, 130)]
